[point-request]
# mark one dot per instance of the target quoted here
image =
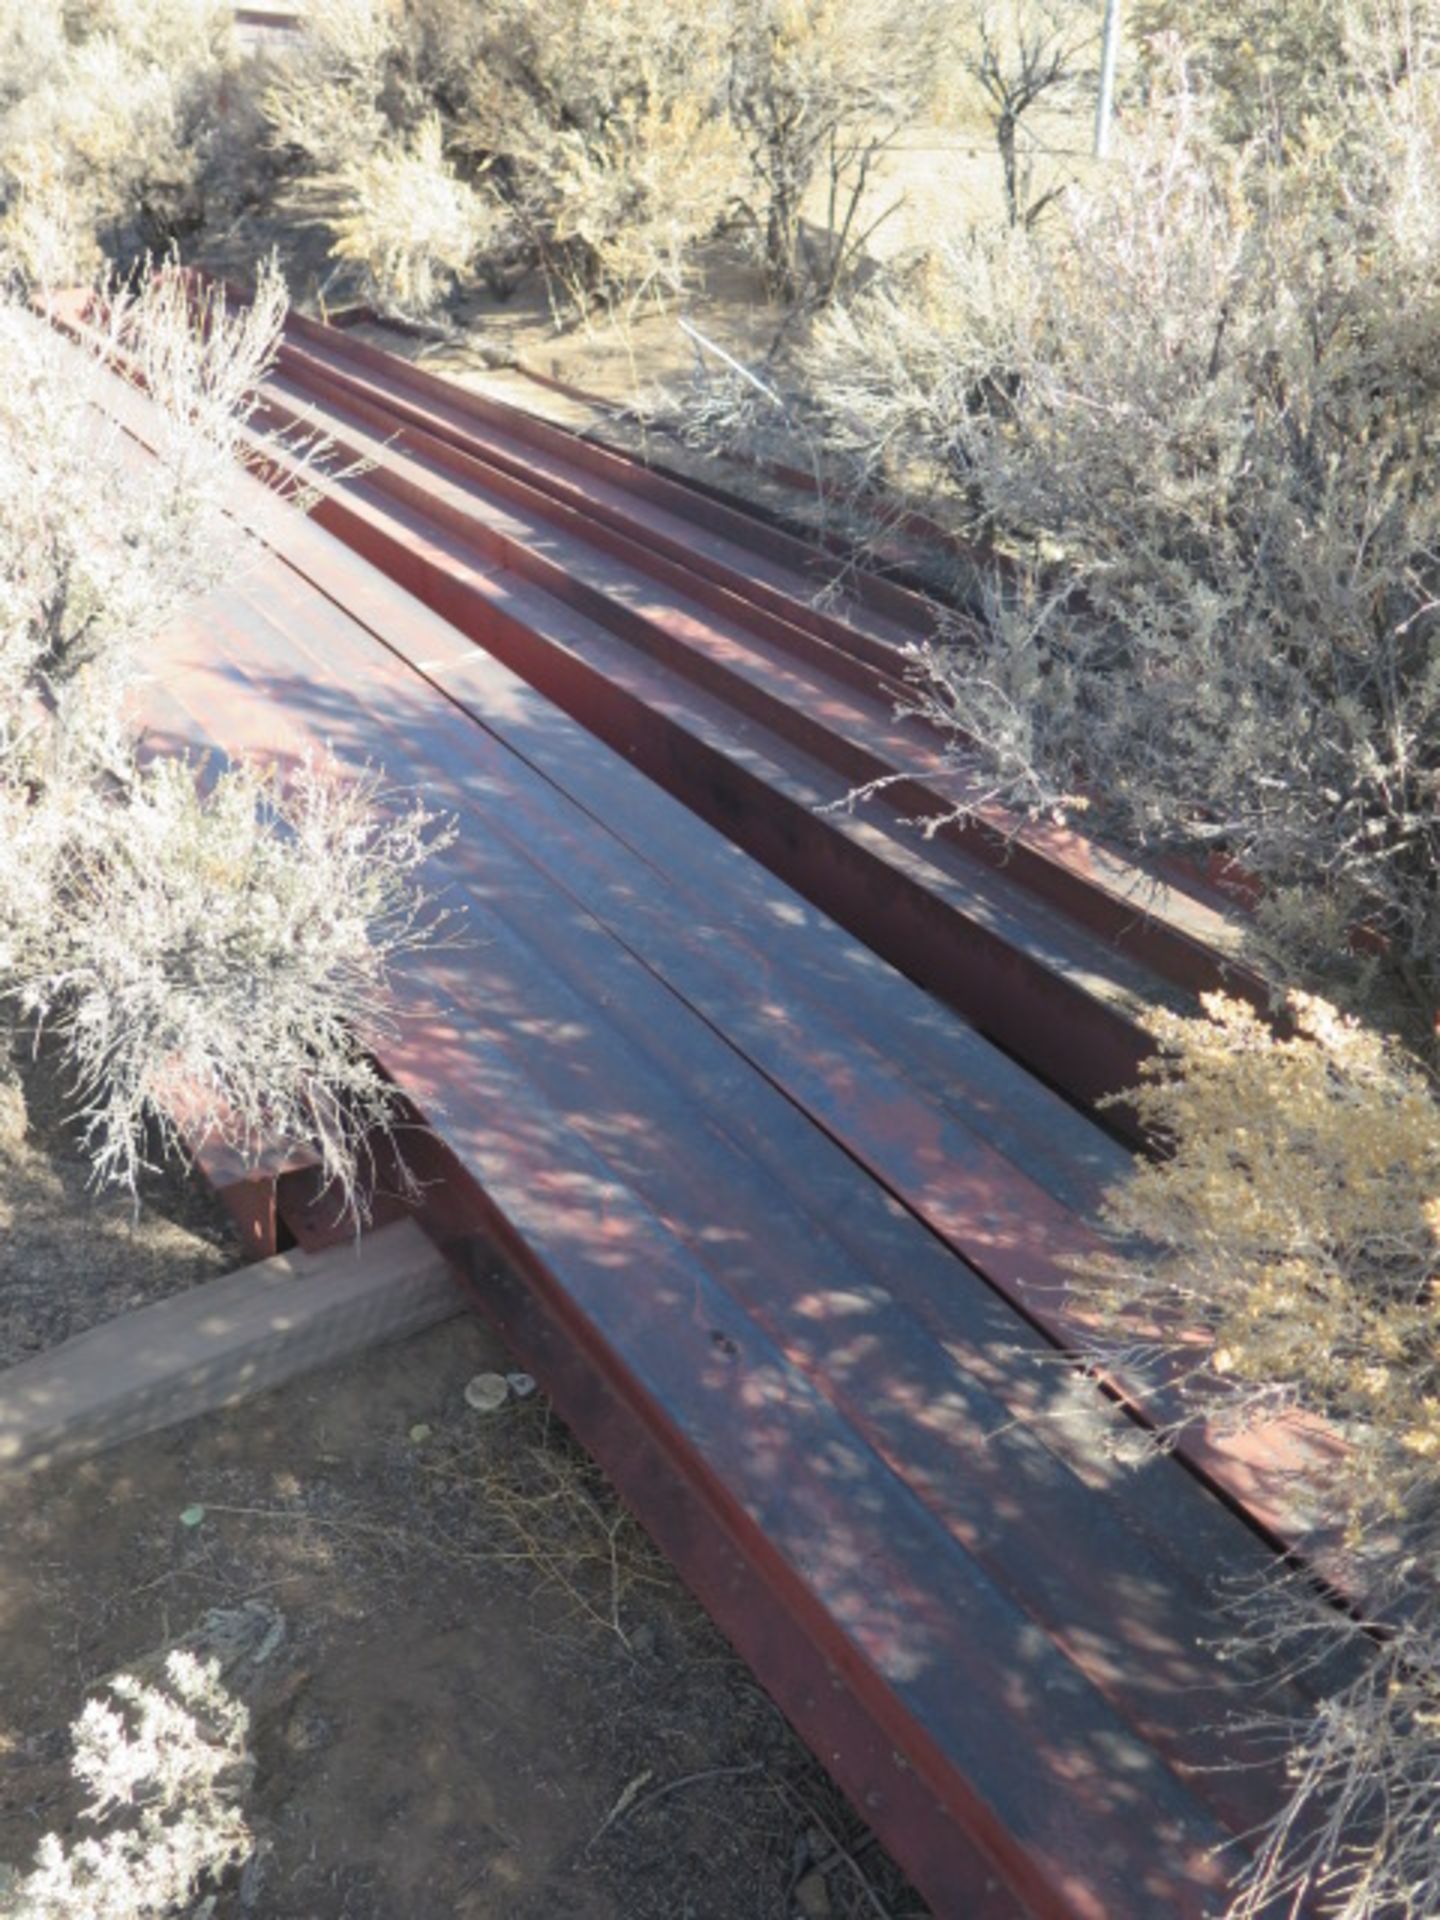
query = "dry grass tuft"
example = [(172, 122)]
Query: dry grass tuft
[(520, 1490)]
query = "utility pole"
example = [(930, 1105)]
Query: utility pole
[(1109, 55)]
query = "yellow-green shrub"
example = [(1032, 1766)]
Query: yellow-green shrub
[(1287, 1247)]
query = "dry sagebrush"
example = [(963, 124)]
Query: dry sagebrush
[(1292, 1232), (437, 143), (365, 158), (818, 90), (404, 218), (100, 545), (166, 1766), (603, 131), (216, 964), (1195, 422), (111, 125), (1269, 65), (213, 958)]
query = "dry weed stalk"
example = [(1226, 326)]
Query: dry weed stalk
[(544, 1507)]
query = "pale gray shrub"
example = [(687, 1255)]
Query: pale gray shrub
[(32, 43), (399, 213), (351, 113), (214, 964), (1195, 423), (1268, 65), (108, 113), (98, 544), (166, 1766), (323, 101)]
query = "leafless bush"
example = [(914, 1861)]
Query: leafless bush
[(1215, 523), (166, 1766), (1016, 56), (219, 958), (1291, 1241), (819, 89)]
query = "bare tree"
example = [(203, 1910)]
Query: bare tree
[(1021, 54), (824, 86)]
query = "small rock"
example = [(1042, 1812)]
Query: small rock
[(522, 1385), (487, 1392), (307, 1730), (420, 1433), (192, 1516), (274, 1638), (812, 1897), (234, 1637)]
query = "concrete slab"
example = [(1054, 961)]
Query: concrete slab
[(219, 1343)]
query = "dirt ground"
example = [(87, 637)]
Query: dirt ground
[(483, 1661), (70, 1258), (491, 1698)]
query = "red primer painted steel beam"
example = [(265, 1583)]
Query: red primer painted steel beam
[(1069, 1889), (728, 651), (1246, 1468), (473, 1018), (991, 1212), (1083, 879), (898, 903), (719, 1343), (771, 559), (878, 670)]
